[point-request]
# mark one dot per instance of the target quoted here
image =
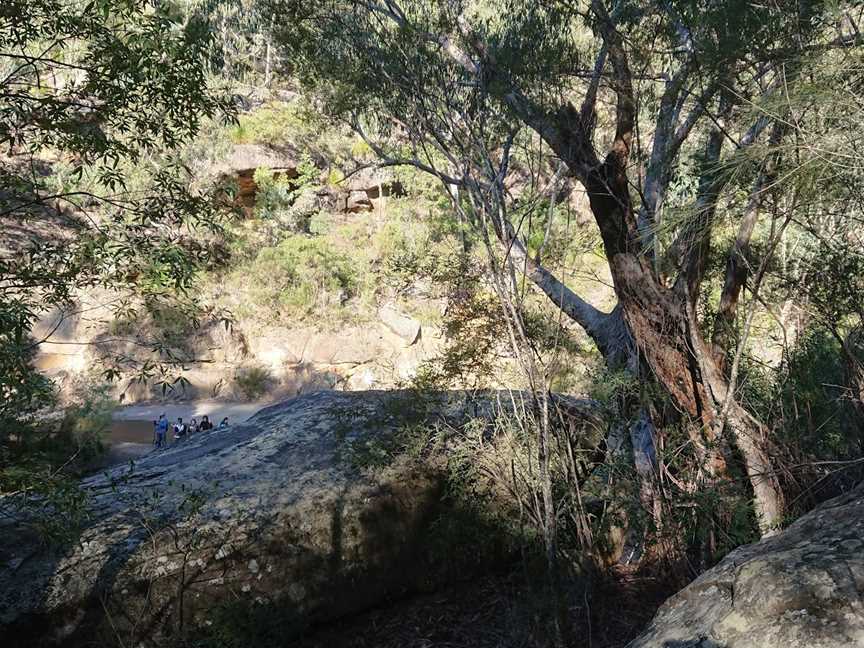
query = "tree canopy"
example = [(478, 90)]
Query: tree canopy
[(89, 91), (683, 123)]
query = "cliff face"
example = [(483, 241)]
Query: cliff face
[(300, 359), (343, 341), (803, 588), (282, 511)]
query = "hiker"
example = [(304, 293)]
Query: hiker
[(160, 429), (193, 426), (180, 429), (224, 423), (205, 424)]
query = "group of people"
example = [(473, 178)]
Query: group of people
[(180, 429)]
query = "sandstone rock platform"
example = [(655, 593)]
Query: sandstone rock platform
[(280, 512)]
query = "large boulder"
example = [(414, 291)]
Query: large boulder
[(292, 511), (404, 326), (803, 588), (366, 189)]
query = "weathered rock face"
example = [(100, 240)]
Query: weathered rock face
[(299, 359), (278, 511), (241, 163), (363, 191), (803, 588), (367, 190), (399, 323)]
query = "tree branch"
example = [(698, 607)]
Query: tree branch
[(682, 246), (737, 265), (625, 108), (591, 319)]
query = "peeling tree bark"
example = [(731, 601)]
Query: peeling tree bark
[(656, 316)]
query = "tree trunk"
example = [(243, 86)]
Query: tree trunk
[(750, 438), (668, 340), (658, 320)]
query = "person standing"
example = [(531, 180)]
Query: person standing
[(161, 430)]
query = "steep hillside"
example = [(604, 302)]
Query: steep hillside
[(334, 274)]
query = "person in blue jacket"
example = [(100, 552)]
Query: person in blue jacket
[(160, 429)]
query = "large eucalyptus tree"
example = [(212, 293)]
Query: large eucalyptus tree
[(617, 92)]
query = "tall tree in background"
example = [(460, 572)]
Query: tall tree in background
[(240, 49), (93, 88), (446, 86)]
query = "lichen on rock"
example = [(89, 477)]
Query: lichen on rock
[(802, 588)]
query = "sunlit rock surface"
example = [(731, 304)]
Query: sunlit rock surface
[(292, 510), (803, 588)]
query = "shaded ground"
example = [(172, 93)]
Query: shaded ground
[(500, 612), (625, 602)]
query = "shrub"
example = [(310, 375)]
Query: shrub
[(277, 196), (321, 223), (411, 250), (267, 125), (274, 193), (44, 458), (361, 150), (300, 276), (253, 382), (88, 421), (298, 124), (811, 393), (473, 328), (335, 177)]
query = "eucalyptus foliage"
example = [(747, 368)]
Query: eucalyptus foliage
[(716, 141), (101, 90)]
